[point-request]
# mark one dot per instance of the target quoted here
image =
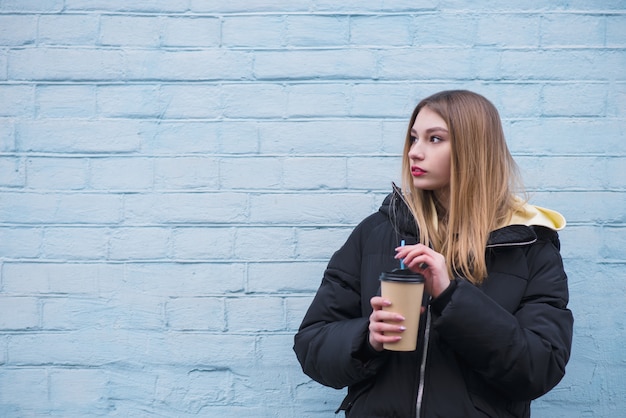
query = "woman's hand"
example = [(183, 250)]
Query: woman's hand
[(427, 262), (392, 323)]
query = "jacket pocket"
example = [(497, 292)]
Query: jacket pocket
[(355, 393)]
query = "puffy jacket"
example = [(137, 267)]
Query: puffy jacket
[(484, 350)]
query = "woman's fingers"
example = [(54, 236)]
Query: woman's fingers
[(424, 260), (383, 321)]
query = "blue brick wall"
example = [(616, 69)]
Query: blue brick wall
[(174, 175)]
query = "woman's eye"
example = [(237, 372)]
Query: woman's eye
[(435, 139), (413, 139)]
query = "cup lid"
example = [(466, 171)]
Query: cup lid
[(401, 275)]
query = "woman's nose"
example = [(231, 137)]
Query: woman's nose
[(415, 152)]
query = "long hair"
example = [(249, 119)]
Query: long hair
[(483, 181)]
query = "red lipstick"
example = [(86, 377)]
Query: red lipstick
[(416, 171)]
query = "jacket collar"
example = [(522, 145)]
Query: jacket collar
[(395, 207)]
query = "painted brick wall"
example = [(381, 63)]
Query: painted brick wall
[(175, 174)]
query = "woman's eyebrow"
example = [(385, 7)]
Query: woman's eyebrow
[(430, 130)]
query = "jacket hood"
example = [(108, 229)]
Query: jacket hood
[(531, 215)]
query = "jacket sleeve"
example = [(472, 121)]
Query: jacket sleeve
[(521, 354), (334, 331)]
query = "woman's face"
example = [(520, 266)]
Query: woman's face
[(429, 154)]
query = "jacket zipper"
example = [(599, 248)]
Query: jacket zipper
[(420, 389), (512, 244)]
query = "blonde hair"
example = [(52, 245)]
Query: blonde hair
[(483, 181)]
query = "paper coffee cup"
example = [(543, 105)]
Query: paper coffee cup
[(404, 289)]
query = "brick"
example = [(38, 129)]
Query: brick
[(129, 101), (75, 243), (12, 173), (616, 101), (234, 6), (75, 278), (67, 29), (451, 63), (250, 173), (78, 387), (261, 31), (314, 173), (544, 135), (20, 242), (254, 100), (615, 30), (200, 243), (399, 100), (17, 101), (285, 277), (207, 314), (228, 351), (123, 6), (15, 382), (17, 30), (296, 308), (185, 137), (264, 243), (387, 31), (186, 173), (508, 30), (121, 174), (592, 237), (377, 7), (514, 100), (239, 137), (120, 30), (61, 64), (325, 137), (309, 209), (190, 31), (7, 136), (373, 172), (573, 30), (320, 243), (140, 243), (19, 313), (267, 314), (32, 5), (192, 391), (186, 65), (63, 101), (45, 173), (219, 208), (453, 30), (554, 173), (192, 279), (124, 311), (4, 65), (328, 64), (94, 348), (191, 101), (394, 135), (565, 100), (317, 100), (317, 30), (561, 64), (69, 136), (35, 208), (569, 203), (132, 387), (491, 6)]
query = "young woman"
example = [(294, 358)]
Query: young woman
[(495, 331)]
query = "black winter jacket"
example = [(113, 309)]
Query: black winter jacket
[(483, 351)]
